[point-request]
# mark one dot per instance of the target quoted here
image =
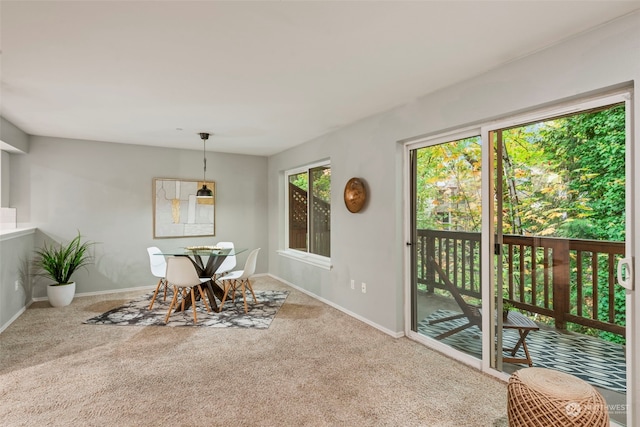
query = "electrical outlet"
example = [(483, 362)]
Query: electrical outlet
[(17, 284), (364, 288), (353, 284)]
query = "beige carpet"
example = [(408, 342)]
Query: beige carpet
[(314, 366)]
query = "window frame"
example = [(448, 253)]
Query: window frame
[(307, 257)]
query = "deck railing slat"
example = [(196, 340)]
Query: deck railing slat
[(612, 282), (510, 269), (579, 300), (594, 284), (534, 270), (547, 270)]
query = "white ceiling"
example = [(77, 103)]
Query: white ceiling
[(261, 76)]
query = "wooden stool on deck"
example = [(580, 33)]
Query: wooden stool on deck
[(547, 398)]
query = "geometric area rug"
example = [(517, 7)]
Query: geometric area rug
[(598, 362), (136, 312)]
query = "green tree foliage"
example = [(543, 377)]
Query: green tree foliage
[(448, 183), (531, 186), (300, 180), (590, 151), (568, 174), (321, 178)]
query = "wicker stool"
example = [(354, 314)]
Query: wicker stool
[(544, 397)]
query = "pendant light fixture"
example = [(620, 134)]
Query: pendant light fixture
[(204, 191)]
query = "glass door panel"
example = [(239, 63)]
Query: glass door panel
[(560, 233), (446, 210)]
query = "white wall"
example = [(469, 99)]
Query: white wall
[(13, 138), (16, 252), (4, 179), (104, 190), (370, 246)]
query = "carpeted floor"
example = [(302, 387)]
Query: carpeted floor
[(136, 312), (314, 366)]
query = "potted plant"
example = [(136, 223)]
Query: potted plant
[(506, 307), (58, 263)]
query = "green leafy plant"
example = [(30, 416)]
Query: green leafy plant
[(59, 262), (506, 307)]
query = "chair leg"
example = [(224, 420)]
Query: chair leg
[(173, 301), (454, 331), (234, 287), (184, 295), (153, 298), (244, 297), (227, 285), (204, 298), (193, 305), (166, 285), (251, 289)]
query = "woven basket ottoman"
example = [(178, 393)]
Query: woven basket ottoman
[(544, 397)]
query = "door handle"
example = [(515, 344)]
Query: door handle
[(625, 281)]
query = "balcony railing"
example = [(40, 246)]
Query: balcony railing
[(554, 277)]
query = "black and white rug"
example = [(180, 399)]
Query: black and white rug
[(137, 313), (596, 361)]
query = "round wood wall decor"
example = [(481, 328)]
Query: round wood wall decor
[(355, 195)]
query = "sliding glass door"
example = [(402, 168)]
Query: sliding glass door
[(521, 245), (446, 220), (560, 233)]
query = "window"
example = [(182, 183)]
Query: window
[(308, 220)]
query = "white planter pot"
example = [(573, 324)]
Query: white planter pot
[(61, 295)]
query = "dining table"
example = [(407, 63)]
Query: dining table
[(206, 260)]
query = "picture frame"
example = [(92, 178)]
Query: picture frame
[(178, 212)]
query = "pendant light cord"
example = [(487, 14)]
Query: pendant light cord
[(204, 158), (204, 137)]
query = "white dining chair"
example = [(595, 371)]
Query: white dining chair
[(240, 278), (229, 261), (158, 265), (182, 275)]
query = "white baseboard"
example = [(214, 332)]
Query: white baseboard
[(15, 316), (337, 307)]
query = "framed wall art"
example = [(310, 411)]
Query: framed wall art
[(178, 212)]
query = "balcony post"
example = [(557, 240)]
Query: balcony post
[(560, 277), (430, 249)]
